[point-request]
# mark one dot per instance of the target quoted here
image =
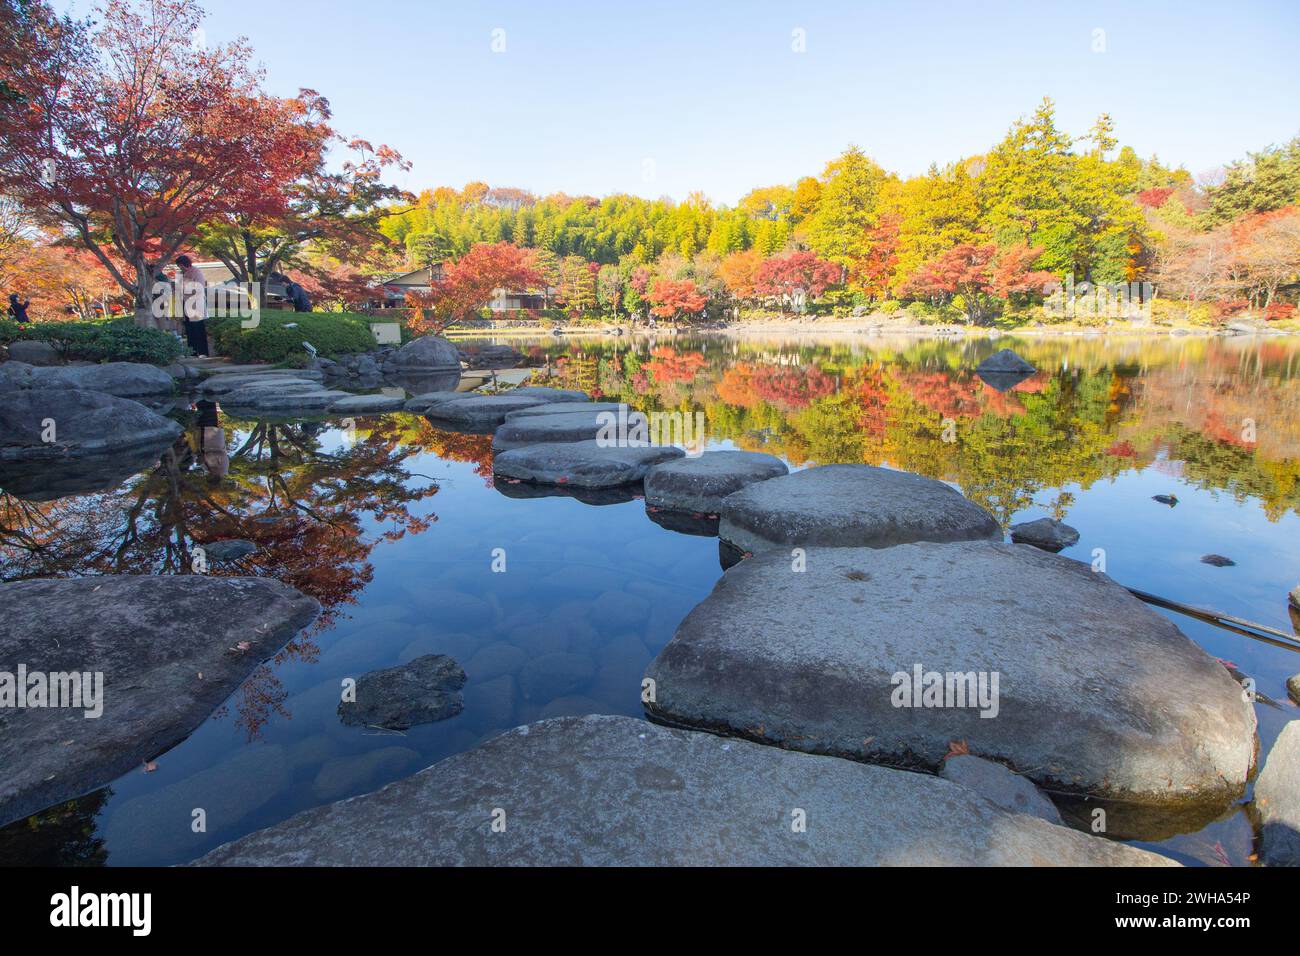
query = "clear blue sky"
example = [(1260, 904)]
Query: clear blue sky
[(715, 98)]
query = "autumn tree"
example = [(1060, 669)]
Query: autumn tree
[(794, 276), (130, 134), (673, 298), (470, 283)]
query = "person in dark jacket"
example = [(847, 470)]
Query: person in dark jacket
[(18, 310)]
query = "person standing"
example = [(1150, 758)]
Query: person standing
[(18, 310), (194, 297)]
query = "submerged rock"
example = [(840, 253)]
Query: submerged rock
[(1169, 500), (170, 648), (1084, 689), (615, 791), (1000, 786), (422, 691), (1218, 561), (232, 549), (699, 484), (851, 506), (1045, 533), (1293, 687), (1277, 800)]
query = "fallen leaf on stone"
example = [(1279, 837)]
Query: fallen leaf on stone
[(957, 748)]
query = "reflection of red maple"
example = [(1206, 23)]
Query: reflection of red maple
[(669, 366)]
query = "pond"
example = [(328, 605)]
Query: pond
[(395, 527)]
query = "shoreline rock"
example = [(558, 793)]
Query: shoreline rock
[(1277, 800), (151, 637)]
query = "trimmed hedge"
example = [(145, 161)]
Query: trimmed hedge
[(330, 333), (113, 340)]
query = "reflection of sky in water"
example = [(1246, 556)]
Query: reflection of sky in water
[(591, 593)]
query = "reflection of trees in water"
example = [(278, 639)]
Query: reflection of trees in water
[(1095, 408), (63, 835), (301, 505)]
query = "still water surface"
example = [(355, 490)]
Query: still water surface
[(391, 525)]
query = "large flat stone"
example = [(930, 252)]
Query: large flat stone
[(851, 506), (565, 408), (151, 637), (360, 404), (699, 484), (1097, 694), (581, 464), (79, 423), (581, 424), (490, 410), (614, 791), (1277, 800), (123, 379)]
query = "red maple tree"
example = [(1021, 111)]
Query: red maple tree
[(470, 283)]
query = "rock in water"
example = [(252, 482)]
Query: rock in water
[(1045, 533), (1293, 687), (1294, 597), (422, 691), (614, 791), (1218, 561), (170, 648), (487, 411), (581, 424), (1005, 362), (699, 484), (1277, 799), (231, 549), (581, 464), (429, 353), (1000, 786), (52, 424), (1169, 500), (851, 506), (1095, 693)]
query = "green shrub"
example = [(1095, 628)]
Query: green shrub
[(279, 336), (114, 340)]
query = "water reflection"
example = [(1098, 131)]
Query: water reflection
[(340, 510)]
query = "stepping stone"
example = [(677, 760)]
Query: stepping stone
[(1046, 533), (422, 403), (368, 403), (596, 497), (699, 484), (615, 791), (270, 400), (1000, 786), (566, 408), (549, 394), (581, 464), (87, 424), (488, 410), (851, 506), (1277, 800), (1096, 693), (421, 691), (140, 632), (582, 424)]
